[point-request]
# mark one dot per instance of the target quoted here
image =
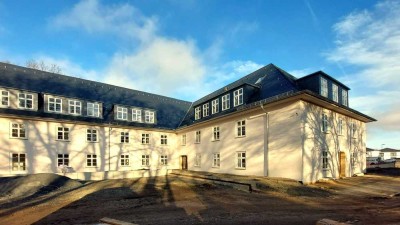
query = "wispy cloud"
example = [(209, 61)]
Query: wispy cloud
[(368, 41)]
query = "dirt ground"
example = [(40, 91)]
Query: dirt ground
[(172, 199)]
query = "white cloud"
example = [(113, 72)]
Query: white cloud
[(368, 41), (302, 72)]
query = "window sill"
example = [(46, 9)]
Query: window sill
[(20, 138), (216, 167), (240, 168), (124, 166), (197, 142), (63, 140), (215, 140), (197, 166), (91, 166), (240, 136)]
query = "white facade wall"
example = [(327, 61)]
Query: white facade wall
[(315, 141)]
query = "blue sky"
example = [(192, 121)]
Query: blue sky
[(186, 49)]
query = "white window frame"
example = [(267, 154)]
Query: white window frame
[(145, 138), (56, 103), (4, 97), (325, 160), (164, 160), (145, 160), (164, 139), (238, 97), (324, 87), (124, 160), (64, 133), (215, 106), (21, 162), (241, 160), (197, 160), (324, 123), (137, 115), (216, 133), (62, 159), (149, 116), (335, 93), (124, 137), (216, 160), (340, 126), (241, 128), (74, 107), (19, 129), (197, 112), (26, 100), (353, 130), (345, 98), (206, 107), (183, 140), (93, 109), (122, 113), (198, 137), (226, 102), (91, 160), (91, 135)]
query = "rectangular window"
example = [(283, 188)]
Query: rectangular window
[(91, 160), (393, 155), (241, 128), (63, 133), (215, 133), (238, 97), (93, 109), (4, 98), (145, 160), (124, 161), (335, 94), (124, 137), (18, 162), (381, 155), (149, 116), (183, 139), (325, 160), (122, 113), (25, 101), (215, 106), (345, 101), (137, 115), (198, 136), (54, 104), (353, 130), (197, 161), (324, 87), (164, 160), (91, 135), (216, 160), (241, 160), (18, 130), (74, 107), (205, 109), (197, 112), (145, 139), (164, 140), (225, 102), (325, 125), (340, 127), (63, 159)]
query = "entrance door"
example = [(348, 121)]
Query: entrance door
[(184, 165), (342, 157)]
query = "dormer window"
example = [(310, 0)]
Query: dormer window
[(197, 112), (137, 115), (74, 107), (122, 113), (225, 102), (345, 98), (4, 98), (149, 116), (93, 109), (238, 97), (55, 104), (335, 94), (324, 87), (215, 106), (205, 109), (25, 101)]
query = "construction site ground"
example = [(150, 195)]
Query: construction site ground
[(200, 198)]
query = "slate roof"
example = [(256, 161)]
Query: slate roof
[(169, 111)]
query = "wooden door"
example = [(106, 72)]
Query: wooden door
[(342, 157), (184, 165)]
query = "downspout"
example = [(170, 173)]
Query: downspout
[(266, 140)]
